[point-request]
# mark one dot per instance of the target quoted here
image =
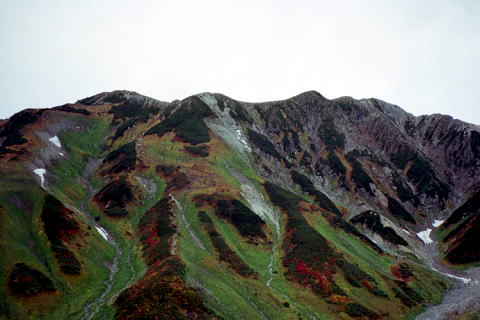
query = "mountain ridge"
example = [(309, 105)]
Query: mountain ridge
[(306, 166)]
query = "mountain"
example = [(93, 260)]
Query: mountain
[(120, 206)]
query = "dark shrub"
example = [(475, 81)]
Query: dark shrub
[(320, 198), (465, 248), (187, 122), (372, 221), (357, 310), (353, 273), (336, 165), (12, 129), (397, 210), (124, 159), (404, 193), (156, 229), (224, 251), (359, 176), (59, 228), (201, 151), (243, 219), (309, 257), (420, 173), (27, 281), (67, 108), (306, 159), (117, 194), (467, 208), (347, 227), (475, 143), (407, 295), (132, 110), (261, 142), (330, 136)]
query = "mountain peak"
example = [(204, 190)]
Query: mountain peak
[(211, 208), (118, 96)]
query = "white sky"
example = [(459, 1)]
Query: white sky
[(421, 55)]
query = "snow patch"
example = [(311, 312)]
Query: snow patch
[(102, 232), (41, 173), (464, 280), (437, 223), (425, 236), (241, 138), (55, 141), (60, 153), (406, 231)]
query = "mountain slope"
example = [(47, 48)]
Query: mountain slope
[(122, 206)]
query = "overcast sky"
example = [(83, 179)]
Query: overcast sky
[(421, 55)]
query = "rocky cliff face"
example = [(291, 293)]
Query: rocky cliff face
[(123, 206)]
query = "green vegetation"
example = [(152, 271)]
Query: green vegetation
[(114, 197), (156, 229), (320, 198), (402, 157), (163, 293), (404, 193), (129, 114), (187, 122), (306, 160), (201, 151), (420, 173), (67, 108), (407, 295), (397, 210), (247, 223), (191, 258), (12, 130), (339, 222), (336, 165), (464, 249), (238, 113), (372, 221), (132, 110), (330, 135), (306, 259), (176, 180), (124, 159), (112, 98), (359, 176), (475, 143), (225, 253), (27, 281), (357, 310), (466, 209), (261, 142), (60, 228)]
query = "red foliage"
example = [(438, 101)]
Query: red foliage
[(322, 278), (366, 284), (204, 199), (178, 139), (401, 271), (153, 240), (67, 235)]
